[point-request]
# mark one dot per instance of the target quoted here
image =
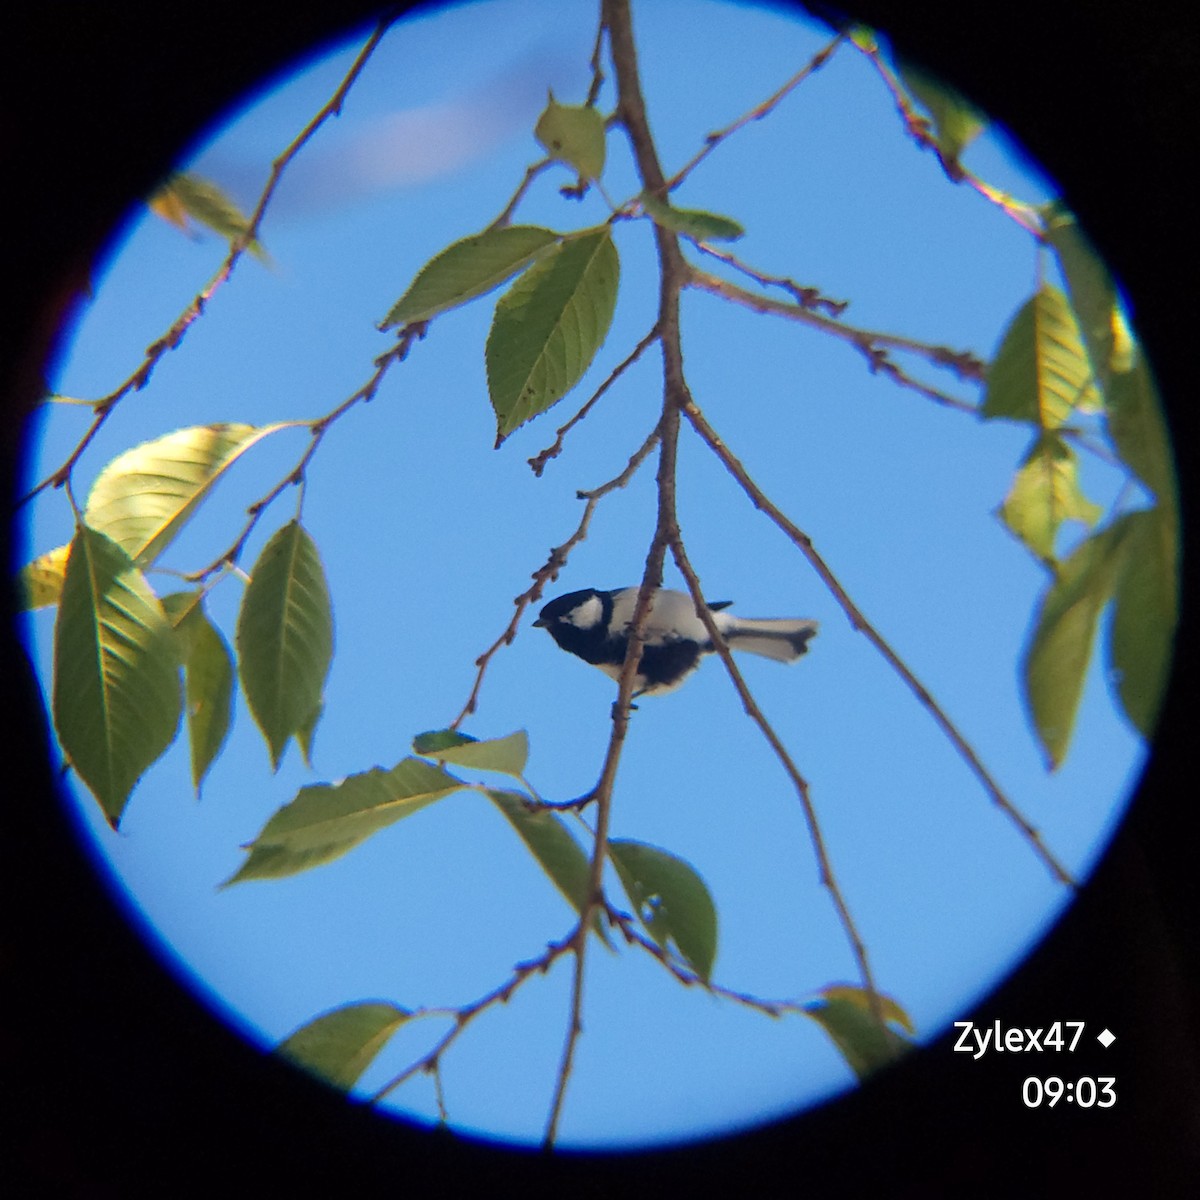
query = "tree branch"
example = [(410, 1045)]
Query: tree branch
[(918, 128), (713, 140), (550, 568), (318, 428), (868, 342), (824, 864), (174, 335), (538, 462), (859, 622)]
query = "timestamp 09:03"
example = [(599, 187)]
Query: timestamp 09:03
[(1086, 1092)]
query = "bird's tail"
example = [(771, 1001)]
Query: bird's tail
[(783, 640)]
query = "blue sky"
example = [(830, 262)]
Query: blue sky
[(427, 534)]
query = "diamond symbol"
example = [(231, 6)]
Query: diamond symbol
[(1105, 1038)]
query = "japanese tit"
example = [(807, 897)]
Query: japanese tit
[(594, 626)]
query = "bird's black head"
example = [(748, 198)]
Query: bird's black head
[(583, 609)]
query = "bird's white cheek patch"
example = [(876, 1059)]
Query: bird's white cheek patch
[(587, 615)]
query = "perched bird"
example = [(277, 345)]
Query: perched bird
[(594, 626)]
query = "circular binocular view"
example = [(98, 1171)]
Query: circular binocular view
[(599, 581)]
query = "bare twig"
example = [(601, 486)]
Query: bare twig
[(531, 173), (597, 65), (549, 570), (539, 461), (686, 976), (809, 298), (174, 335), (859, 622), (824, 864), (918, 128), (465, 1015), (713, 140), (870, 343), (318, 428)]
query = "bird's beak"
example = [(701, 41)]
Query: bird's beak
[(539, 624)]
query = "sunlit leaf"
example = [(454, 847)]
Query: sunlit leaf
[(205, 202), (116, 688), (167, 204), (956, 122), (506, 755), (549, 325), (285, 638), (339, 1046), (550, 843), (469, 268), (1044, 494), (693, 222), (670, 899), (1146, 610), (208, 676), (325, 820), (1090, 286), (573, 134), (1041, 372), (864, 37), (40, 581), (845, 1014), (1138, 429), (1057, 658), (145, 496)]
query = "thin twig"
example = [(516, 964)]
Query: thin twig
[(713, 140), (549, 570), (809, 298), (531, 173), (237, 247), (859, 622), (465, 1015), (689, 978), (868, 342), (539, 461), (824, 863), (318, 428), (918, 128), (597, 65)]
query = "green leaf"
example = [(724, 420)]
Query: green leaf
[(440, 739), (1138, 430), (469, 268), (549, 325), (1092, 290), (692, 222), (208, 680), (1056, 661), (864, 37), (1146, 611), (506, 755), (325, 820), (116, 687), (956, 122), (340, 1045), (670, 899), (144, 497), (1041, 372), (285, 639), (40, 581), (551, 844), (1044, 494), (187, 195), (573, 134), (845, 1014)]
